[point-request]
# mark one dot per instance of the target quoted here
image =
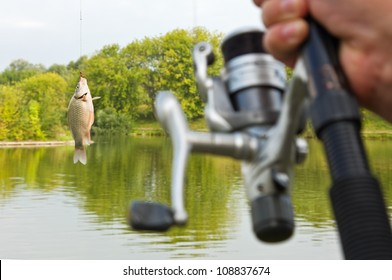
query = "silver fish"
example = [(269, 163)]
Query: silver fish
[(80, 119)]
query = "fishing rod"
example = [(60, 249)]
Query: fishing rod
[(356, 195), (255, 116)]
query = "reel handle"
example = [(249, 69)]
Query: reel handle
[(155, 216), (172, 118)]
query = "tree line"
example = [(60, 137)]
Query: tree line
[(34, 99)]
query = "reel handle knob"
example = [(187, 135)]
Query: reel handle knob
[(150, 216)]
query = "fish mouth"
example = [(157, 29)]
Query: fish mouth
[(81, 97)]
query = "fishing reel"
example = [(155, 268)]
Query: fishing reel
[(253, 115)]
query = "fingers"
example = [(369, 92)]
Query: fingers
[(287, 28), (277, 11), (284, 40), (258, 2)]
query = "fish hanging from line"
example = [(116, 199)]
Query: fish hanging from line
[(80, 115)]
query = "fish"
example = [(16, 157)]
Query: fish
[(80, 114)]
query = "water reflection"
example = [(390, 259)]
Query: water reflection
[(51, 208)]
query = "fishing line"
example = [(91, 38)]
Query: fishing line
[(81, 31), (81, 37), (194, 14)]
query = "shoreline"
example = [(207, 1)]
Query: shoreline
[(32, 144), (370, 134)]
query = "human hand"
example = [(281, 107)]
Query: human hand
[(364, 29)]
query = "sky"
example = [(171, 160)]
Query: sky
[(51, 31)]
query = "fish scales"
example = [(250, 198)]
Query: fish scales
[(79, 122), (80, 119)]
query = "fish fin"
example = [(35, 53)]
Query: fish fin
[(91, 120), (87, 138), (90, 105), (96, 97), (80, 155)]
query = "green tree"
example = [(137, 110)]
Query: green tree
[(49, 90), (165, 63), (10, 108), (19, 70), (34, 121), (110, 121), (107, 78), (177, 66), (142, 61), (33, 108)]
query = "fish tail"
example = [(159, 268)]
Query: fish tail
[(80, 155)]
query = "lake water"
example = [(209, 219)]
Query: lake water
[(53, 209)]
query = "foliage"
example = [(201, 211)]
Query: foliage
[(128, 79), (33, 108), (289, 73), (9, 110), (113, 122), (18, 70)]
